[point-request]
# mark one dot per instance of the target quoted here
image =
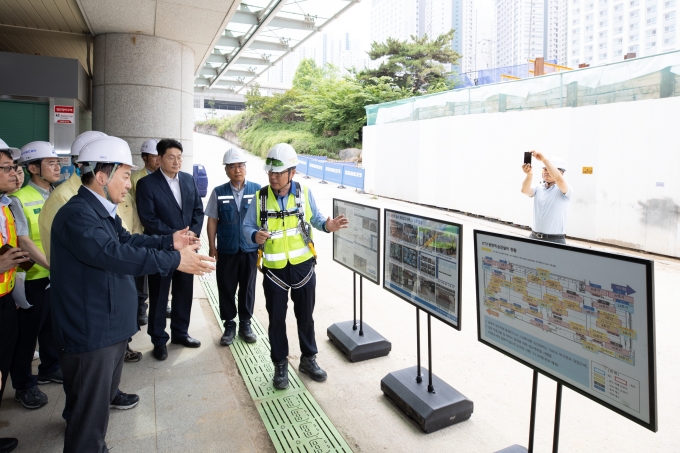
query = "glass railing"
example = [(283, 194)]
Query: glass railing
[(637, 79)]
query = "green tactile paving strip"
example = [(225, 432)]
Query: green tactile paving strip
[(292, 417)]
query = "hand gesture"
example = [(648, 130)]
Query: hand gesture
[(337, 223), (182, 238), (12, 258), (538, 156), (261, 236), (526, 168), (193, 263)]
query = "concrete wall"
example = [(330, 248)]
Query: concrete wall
[(472, 163), (143, 88)]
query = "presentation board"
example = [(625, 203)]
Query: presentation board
[(357, 247), (583, 317), (422, 263)]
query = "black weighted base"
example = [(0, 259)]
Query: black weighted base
[(513, 449), (431, 411), (355, 346)]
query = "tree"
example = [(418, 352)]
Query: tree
[(415, 65), (211, 104), (254, 100)]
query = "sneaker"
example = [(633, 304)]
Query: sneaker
[(229, 333), (132, 356), (57, 377), (281, 375), (124, 401), (31, 398), (36, 355), (246, 332), (309, 366)]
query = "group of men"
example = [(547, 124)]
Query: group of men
[(78, 259)]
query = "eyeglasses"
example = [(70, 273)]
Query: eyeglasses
[(9, 168), (277, 174), (53, 164), (236, 166), (173, 158), (273, 162)]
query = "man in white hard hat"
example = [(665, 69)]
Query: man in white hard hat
[(8, 265), (42, 164), (151, 163), (551, 199), (236, 256), (279, 221), (167, 201), (94, 261)]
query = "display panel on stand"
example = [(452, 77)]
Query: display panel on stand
[(357, 247), (583, 317), (422, 263)]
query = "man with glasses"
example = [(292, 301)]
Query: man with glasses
[(35, 322), (8, 264), (168, 201), (279, 221), (236, 257)]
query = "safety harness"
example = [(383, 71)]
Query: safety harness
[(303, 227)]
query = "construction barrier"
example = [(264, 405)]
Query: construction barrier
[(345, 173)]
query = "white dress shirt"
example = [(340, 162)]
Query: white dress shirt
[(174, 187)]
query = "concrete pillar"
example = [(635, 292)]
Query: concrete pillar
[(143, 87)]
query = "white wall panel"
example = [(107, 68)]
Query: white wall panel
[(472, 163)]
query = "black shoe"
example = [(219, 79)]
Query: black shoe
[(187, 342), (309, 366), (160, 352), (8, 444), (57, 377), (229, 333), (31, 398), (132, 356), (281, 375), (124, 401), (246, 332), (142, 317), (168, 311)]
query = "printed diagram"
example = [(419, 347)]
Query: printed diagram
[(600, 320)]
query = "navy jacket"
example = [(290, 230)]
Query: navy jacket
[(230, 222), (158, 210), (94, 262)]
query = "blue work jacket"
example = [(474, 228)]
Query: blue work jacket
[(93, 264), (230, 219)]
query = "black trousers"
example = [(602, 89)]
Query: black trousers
[(182, 294), (92, 378), (303, 306), (8, 337), (142, 284), (35, 324), (236, 270)]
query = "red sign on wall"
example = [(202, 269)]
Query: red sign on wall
[(64, 114)]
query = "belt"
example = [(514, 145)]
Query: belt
[(548, 236)]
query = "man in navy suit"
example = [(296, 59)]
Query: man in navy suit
[(168, 201)]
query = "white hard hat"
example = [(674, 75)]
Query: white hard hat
[(107, 149), (234, 156), (280, 157), (35, 151), (82, 139), (559, 163), (15, 152), (149, 147)]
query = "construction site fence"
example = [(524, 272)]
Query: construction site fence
[(347, 174)]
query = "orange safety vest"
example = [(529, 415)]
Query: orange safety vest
[(7, 279)]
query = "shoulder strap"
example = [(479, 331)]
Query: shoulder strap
[(264, 192)]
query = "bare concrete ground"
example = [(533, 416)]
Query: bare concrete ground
[(499, 386)]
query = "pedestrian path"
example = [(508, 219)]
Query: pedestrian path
[(292, 417)]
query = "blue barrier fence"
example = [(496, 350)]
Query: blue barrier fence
[(345, 173)]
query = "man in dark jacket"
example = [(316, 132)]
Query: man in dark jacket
[(236, 263), (94, 297), (167, 201)]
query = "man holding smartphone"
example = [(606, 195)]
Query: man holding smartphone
[(551, 199)]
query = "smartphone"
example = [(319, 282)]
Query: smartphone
[(527, 157), (26, 265)]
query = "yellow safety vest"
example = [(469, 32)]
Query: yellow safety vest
[(7, 279), (286, 244), (33, 202)]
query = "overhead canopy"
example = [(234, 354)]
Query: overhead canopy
[(261, 33)]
